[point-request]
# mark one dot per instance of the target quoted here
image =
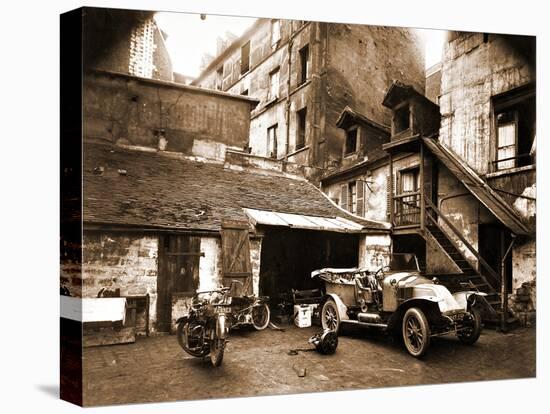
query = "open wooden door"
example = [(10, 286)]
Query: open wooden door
[(236, 254)]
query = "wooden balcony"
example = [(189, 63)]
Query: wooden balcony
[(406, 210)]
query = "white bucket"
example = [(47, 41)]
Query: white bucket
[(302, 316)]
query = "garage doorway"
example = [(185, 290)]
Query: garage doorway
[(289, 256)]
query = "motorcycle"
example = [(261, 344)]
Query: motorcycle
[(248, 309), (205, 329)]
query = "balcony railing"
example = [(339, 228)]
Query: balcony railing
[(407, 209)]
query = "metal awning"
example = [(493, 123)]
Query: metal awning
[(300, 221), (479, 189)]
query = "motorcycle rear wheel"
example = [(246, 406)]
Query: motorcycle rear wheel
[(217, 347), (260, 316), (183, 339)]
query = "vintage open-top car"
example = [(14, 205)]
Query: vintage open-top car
[(397, 299)]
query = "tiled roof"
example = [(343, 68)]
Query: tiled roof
[(149, 189)]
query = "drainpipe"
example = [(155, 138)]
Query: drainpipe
[(287, 143)]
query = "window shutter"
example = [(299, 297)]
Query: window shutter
[(388, 195), (344, 196), (360, 185)]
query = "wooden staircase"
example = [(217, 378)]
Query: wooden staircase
[(469, 278)]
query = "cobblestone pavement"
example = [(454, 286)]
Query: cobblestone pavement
[(257, 363)]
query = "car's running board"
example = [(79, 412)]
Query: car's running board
[(370, 324)]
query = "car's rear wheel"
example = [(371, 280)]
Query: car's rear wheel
[(470, 334), (416, 332), (329, 316)]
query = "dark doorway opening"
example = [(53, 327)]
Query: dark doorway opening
[(493, 243), (289, 256), (411, 243)]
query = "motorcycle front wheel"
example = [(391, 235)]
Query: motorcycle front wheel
[(217, 347), (190, 344)]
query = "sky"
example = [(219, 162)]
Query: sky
[(190, 37)]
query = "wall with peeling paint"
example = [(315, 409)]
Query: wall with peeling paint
[(129, 262), (348, 65), (476, 67), (374, 251), (133, 111)]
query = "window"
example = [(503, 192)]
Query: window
[(507, 128), (515, 125), (351, 141), (401, 119), (352, 197), (245, 58), (219, 78), (410, 180), (352, 202), (301, 128), (273, 92), (272, 141), (304, 64), (275, 32)]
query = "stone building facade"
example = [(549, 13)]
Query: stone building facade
[(159, 188), (304, 74), (473, 157), (125, 41)]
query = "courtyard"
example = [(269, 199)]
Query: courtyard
[(155, 369)]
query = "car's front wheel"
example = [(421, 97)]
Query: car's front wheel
[(471, 332), (416, 332), (329, 316)]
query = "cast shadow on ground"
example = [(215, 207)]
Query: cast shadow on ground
[(51, 390)]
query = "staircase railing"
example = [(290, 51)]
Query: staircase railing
[(430, 205)]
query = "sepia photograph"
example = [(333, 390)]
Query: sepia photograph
[(267, 206)]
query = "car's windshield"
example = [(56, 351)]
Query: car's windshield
[(403, 262)]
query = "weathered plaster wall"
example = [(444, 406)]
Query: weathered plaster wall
[(121, 261), (462, 210), (524, 263), (362, 62), (516, 183), (113, 39), (472, 71), (133, 111), (374, 251), (376, 190)]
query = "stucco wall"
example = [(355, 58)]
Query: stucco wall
[(374, 251), (375, 196), (474, 69), (132, 111)]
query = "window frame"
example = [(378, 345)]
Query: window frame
[(355, 129), (245, 68), (275, 39), (512, 101), (301, 126), (272, 146), (270, 95), (304, 64)]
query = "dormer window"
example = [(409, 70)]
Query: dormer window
[(350, 146), (401, 119)]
